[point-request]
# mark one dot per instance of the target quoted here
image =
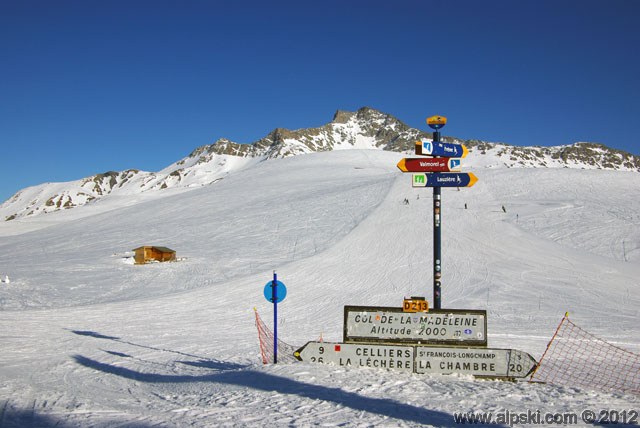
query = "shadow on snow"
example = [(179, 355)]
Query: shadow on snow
[(267, 382), (18, 417), (117, 339), (233, 374), (94, 334)]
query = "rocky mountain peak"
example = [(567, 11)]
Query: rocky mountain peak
[(342, 116), (363, 114)]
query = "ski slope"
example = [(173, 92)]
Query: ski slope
[(89, 339)]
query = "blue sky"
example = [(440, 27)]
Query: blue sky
[(92, 86)]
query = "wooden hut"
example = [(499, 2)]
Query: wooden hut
[(148, 254)]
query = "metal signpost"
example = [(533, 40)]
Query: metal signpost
[(414, 338), (437, 246), (275, 292), (436, 172)]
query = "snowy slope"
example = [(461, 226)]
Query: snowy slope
[(92, 340), (123, 188)]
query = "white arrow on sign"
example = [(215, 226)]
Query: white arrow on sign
[(358, 355), (474, 361)]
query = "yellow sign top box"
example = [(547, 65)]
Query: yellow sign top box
[(437, 121)]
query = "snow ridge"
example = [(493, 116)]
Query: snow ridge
[(366, 128)]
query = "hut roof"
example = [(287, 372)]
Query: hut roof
[(163, 249)]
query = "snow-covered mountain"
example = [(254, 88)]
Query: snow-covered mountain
[(366, 128)]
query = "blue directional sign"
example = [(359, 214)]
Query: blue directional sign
[(281, 291), (444, 179), (437, 148)]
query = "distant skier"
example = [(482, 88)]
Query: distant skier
[(465, 205), (504, 209), (6, 279), (406, 201)]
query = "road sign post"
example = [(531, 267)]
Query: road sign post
[(414, 339), (275, 291), (437, 231), (274, 299), (437, 172)]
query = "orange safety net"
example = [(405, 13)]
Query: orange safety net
[(575, 357), (265, 337)]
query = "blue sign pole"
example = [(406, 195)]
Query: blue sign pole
[(438, 148), (274, 297), (275, 291), (437, 234)]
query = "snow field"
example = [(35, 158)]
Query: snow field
[(89, 340)]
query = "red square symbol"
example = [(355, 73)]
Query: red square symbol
[(337, 348)]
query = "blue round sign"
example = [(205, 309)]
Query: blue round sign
[(281, 292)]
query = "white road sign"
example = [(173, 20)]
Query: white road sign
[(480, 362), (474, 361), (444, 327), (358, 355)]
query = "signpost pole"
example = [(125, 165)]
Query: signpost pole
[(437, 249), (275, 291), (274, 298)]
